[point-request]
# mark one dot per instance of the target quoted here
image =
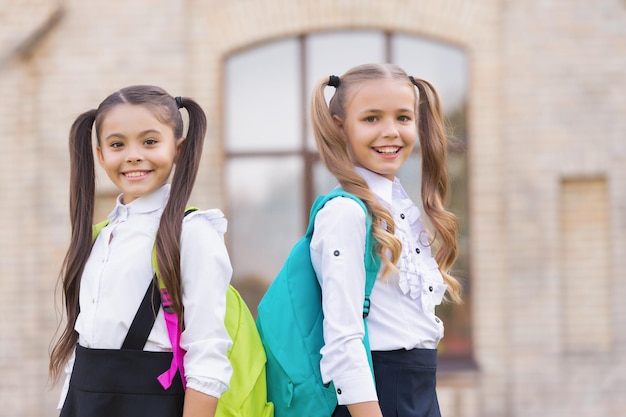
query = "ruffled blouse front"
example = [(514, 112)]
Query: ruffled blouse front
[(419, 276)]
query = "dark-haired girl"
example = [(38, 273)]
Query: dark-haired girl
[(111, 357)]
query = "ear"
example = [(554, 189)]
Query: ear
[(100, 157), (338, 122), (340, 126), (179, 148)]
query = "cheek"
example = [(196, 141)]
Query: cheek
[(412, 140), (359, 132), (104, 156), (410, 136)]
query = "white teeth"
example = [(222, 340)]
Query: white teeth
[(135, 174), (388, 150)]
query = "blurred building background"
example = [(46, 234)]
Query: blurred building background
[(534, 93)]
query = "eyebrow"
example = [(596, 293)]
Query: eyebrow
[(374, 110), (143, 133)]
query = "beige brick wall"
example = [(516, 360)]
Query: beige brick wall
[(546, 106), (563, 118)]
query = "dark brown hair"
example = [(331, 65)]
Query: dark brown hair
[(82, 200), (333, 150)]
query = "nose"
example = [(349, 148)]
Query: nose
[(134, 154), (390, 129)]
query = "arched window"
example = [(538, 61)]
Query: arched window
[(272, 170)]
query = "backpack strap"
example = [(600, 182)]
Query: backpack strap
[(96, 228), (173, 327), (372, 260), (167, 302)]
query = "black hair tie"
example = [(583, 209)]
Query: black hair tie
[(179, 101), (333, 81), (412, 80)]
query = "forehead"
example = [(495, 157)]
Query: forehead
[(382, 94), (132, 118)]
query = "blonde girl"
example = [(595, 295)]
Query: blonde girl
[(364, 135)]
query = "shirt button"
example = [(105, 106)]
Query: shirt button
[(336, 253), (417, 250), (402, 216), (437, 320), (339, 391), (430, 288), (93, 301)]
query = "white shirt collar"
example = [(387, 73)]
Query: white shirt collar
[(145, 204), (379, 185)]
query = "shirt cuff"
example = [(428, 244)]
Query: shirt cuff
[(355, 389), (211, 387)]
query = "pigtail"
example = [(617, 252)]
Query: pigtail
[(432, 136), (168, 235), (333, 151), (82, 196)]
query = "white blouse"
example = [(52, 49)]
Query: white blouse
[(119, 271), (402, 312)]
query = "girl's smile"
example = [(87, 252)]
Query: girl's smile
[(388, 151), (135, 174)]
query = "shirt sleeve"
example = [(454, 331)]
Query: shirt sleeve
[(206, 273), (337, 254)]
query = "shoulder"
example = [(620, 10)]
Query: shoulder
[(341, 212), (205, 219), (343, 206)]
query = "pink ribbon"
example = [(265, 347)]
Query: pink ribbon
[(173, 331)]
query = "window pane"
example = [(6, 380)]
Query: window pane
[(333, 53), (443, 65), (323, 181), (336, 52), (265, 219), (263, 104)]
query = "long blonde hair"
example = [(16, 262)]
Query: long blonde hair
[(333, 149)]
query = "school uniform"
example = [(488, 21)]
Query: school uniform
[(402, 327), (116, 280)]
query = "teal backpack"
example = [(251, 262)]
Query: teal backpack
[(289, 320), (247, 395)]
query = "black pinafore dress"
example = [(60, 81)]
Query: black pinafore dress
[(123, 382)]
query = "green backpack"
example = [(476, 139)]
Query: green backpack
[(247, 395), (289, 320)]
